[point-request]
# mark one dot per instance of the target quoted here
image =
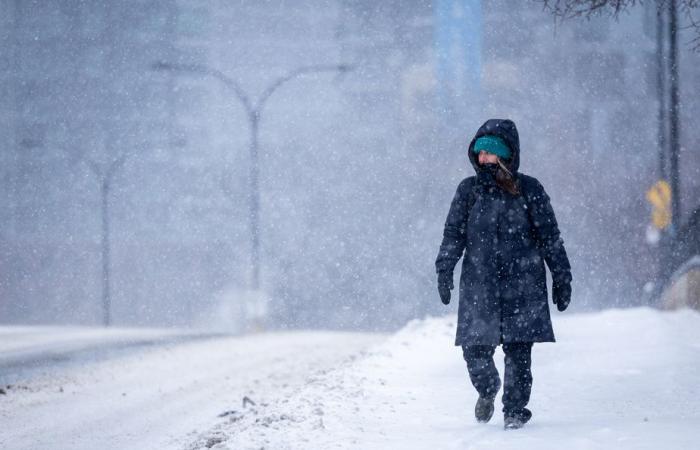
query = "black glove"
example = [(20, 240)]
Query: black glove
[(445, 285), (561, 295)]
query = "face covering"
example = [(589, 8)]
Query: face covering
[(500, 175), (490, 168), (487, 174)]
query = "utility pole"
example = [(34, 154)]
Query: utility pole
[(663, 265), (674, 126), (661, 89)]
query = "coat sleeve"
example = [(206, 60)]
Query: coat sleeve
[(547, 235), (454, 236)]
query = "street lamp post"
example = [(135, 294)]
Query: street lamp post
[(253, 109), (105, 174)]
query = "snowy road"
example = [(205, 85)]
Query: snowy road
[(141, 389), (25, 351)]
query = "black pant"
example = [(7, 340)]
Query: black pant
[(518, 378)]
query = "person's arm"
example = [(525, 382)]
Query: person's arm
[(551, 245), (454, 239)]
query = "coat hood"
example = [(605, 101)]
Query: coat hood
[(506, 130)]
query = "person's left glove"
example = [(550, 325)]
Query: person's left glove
[(445, 285), (561, 295)]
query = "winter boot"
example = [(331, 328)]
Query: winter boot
[(515, 421), (484, 409)]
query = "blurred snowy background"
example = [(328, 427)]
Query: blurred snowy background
[(122, 104)]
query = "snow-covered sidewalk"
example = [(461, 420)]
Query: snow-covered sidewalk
[(615, 379)]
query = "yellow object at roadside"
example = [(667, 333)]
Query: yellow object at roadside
[(659, 195)]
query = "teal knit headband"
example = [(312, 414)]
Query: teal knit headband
[(492, 144)]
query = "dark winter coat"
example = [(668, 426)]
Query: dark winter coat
[(505, 239)]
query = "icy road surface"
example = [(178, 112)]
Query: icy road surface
[(619, 379), (81, 388)]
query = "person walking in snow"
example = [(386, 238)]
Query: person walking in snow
[(503, 222)]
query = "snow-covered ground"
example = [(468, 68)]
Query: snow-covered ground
[(619, 379), (615, 379), (82, 388)]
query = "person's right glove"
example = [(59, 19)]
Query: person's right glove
[(561, 295), (445, 285)]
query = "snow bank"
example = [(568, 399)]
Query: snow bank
[(615, 379)]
